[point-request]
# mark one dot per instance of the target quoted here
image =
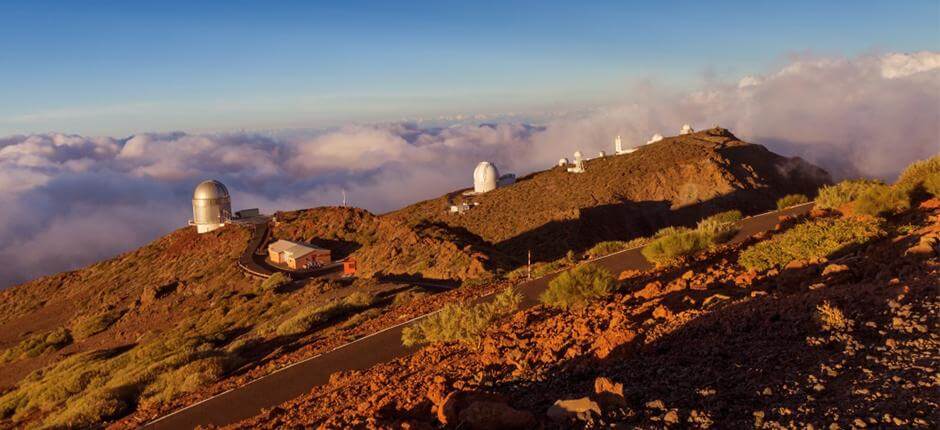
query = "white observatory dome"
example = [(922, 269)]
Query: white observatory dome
[(656, 138), (686, 129), (212, 206), (562, 162), (601, 154), (485, 177)]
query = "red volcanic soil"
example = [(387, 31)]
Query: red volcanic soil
[(851, 342)]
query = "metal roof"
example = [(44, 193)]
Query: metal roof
[(210, 190), (293, 249)]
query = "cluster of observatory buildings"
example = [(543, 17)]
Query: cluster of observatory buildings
[(212, 205)]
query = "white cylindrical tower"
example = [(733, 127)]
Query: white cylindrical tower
[(212, 206), (485, 177)]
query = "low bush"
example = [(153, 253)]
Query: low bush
[(720, 227), (461, 322), (38, 344), (932, 184), (917, 172), (274, 282), (668, 248), (312, 316), (606, 248), (879, 200), (577, 286), (830, 317), (791, 200), (85, 389), (836, 196), (811, 239), (90, 325)]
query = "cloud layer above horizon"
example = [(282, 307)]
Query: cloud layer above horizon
[(69, 200)]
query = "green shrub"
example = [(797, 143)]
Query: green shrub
[(835, 196), (917, 172), (606, 248), (312, 316), (791, 200), (880, 200), (576, 287), (811, 239), (89, 325), (720, 227), (932, 184), (274, 282), (667, 249), (38, 344), (461, 322)]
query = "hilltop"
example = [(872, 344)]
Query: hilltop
[(677, 180)]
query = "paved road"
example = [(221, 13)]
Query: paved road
[(300, 378)]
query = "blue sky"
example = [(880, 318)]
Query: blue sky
[(120, 67)]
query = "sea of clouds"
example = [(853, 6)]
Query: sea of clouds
[(67, 200)]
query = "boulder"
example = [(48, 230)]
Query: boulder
[(661, 312), (448, 412), (580, 409), (609, 393), (487, 414)]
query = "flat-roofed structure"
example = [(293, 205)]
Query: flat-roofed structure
[(298, 255)]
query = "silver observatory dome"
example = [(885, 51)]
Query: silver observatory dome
[(212, 206)]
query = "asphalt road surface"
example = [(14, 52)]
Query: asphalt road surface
[(299, 378)]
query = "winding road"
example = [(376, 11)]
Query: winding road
[(299, 378)]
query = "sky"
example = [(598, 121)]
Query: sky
[(116, 68), (112, 112)]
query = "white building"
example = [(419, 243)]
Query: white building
[(618, 147), (485, 177), (656, 138), (578, 163), (686, 129), (212, 206), (563, 162)]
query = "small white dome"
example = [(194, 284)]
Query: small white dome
[(656, 138), (485, 177), (563, 162), (601, 154), (686, 129)]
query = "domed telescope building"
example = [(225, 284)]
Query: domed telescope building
[(212, 206), (485, 177)]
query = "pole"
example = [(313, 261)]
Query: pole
[(528, 267)]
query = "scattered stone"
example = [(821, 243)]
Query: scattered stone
[(609, 393), (656, 404), (581, 409), (671, 417), (661, 312), (834, 268), (483, 415)]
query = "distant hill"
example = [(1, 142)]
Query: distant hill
[(677, 180)]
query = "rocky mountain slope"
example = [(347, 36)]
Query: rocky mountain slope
[(678, 180), (387, 246), (846, 342), (154, 329)]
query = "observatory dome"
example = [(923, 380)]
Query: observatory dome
[(485, 177), (656, 138), (686, 129), (212, 206)]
